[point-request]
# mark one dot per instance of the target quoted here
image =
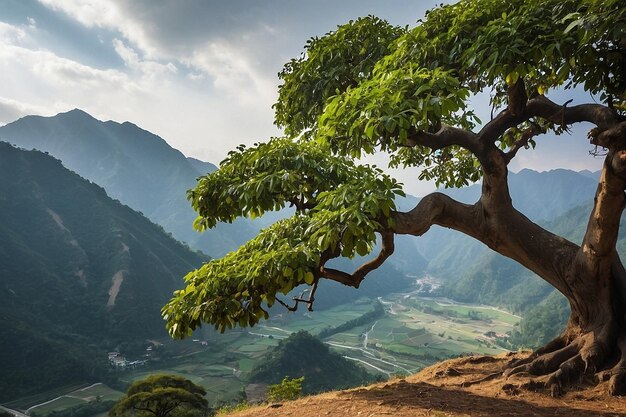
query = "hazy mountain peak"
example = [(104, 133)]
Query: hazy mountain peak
[(134, 165), (76, 112)]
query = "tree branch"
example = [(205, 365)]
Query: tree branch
[(355, 279), (446, 136), (527, 135), (500, 227), (300, 299), (602, 116), (438, 208), (610, 138), (517, 97)]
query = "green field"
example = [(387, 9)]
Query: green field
[(96, 391), (76, 397), (413, 333)]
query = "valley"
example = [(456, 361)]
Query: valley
[(411, 333)]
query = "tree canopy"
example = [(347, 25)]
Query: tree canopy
[(371, 87), (161, 396)]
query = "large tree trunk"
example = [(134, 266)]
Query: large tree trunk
[(594, 341), (591, 275)]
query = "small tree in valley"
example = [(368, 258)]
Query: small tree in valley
[(162, 396)]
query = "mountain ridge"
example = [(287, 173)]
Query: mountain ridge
[(134, 165)]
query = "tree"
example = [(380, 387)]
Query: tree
[(369, 87), (162, 396), (287, 390)]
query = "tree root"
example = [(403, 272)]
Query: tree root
[(481, 380), (564, 362)]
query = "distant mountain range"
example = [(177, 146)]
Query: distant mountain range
[(80, 274), (134, 166), (142, 171)]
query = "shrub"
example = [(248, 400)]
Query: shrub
[(287, 390)]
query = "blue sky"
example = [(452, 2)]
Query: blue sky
[(201, 74)]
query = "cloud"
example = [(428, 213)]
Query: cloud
[(200, 73), (232, 72), (146, 68), (151, 46), (104, 14), (10, 34), (11, 110)]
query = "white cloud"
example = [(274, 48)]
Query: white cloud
[(10, 34), (72, 73), (232, 72), (229, 64), (11, 110), (104, 14), (147, 68)]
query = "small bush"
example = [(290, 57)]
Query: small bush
[(287, 390)]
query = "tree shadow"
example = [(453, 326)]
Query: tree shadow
[(406, 395)]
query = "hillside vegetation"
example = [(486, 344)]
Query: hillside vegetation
[(302, 354), (80, 274)]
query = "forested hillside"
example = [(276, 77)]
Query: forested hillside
[(302, 354), (80, 274)]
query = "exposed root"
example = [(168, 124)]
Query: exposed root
[(483, 379), (617, 374), (546, 363), (560, 364), (617, 382)]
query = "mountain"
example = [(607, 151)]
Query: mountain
[(135, 166), (302, 354), (144, 172), (80, 274)]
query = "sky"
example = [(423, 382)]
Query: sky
[(202, 74)]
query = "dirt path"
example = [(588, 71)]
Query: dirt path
[(439, 391)]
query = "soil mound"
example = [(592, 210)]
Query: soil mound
[(468, 386)]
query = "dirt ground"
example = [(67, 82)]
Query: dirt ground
[(450, 389)]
